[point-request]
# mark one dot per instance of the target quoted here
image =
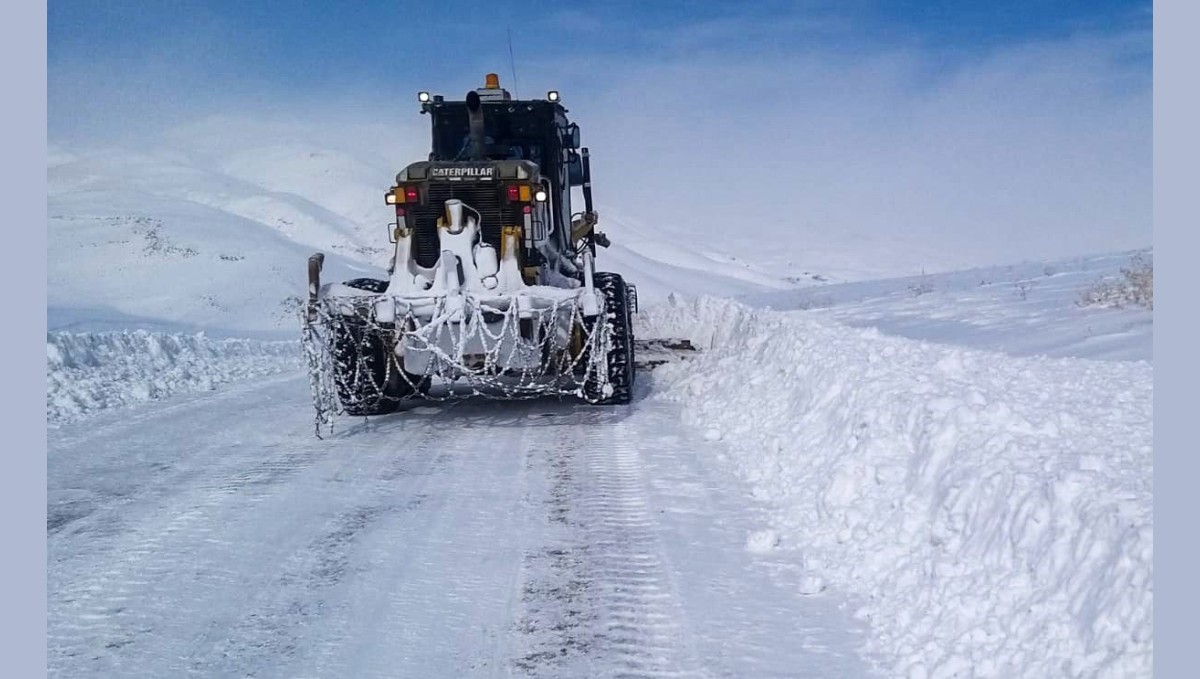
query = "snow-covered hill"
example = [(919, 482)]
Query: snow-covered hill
[(199, 233), (126, 257), (944, 452), (1025, 309)]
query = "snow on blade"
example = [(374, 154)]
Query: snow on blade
[(89, 371), (993, 514)]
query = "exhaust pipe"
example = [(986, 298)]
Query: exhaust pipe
[(475, 125)]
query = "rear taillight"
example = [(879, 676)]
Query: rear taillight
[(517, 193), (404, 194)]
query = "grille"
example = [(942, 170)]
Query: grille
[(484, 197)]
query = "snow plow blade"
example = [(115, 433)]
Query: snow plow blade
[(652, 353)]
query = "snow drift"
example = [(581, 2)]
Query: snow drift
[(86, 372), (991, 514)]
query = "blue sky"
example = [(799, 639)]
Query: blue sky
[(984, 131), (202, 52), (353, 33)]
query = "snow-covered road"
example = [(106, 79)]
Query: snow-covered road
[(213, 535)]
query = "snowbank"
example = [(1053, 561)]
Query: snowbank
[(992, 515), (86, 372)]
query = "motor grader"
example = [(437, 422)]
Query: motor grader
[(492, 288)]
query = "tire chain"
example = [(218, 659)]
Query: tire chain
[(582, 375)]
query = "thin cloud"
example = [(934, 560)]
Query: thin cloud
[(1036, 151), (883, 157)]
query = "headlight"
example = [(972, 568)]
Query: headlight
[(540, 196), (390, 198), (552, 95), (422, 97)]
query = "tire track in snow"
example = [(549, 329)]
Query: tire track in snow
[(434, 595), (554, 623), (160, 596), (490, 539), (599, 600), (98, 466), (643, 569), (298, 622), (115, 577), (642, 627), (742, 600)]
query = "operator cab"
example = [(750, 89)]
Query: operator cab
[(512, 161), (535, 130)]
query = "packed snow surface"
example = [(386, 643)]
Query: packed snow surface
[(992, 514), (213, 535), (87, 372)]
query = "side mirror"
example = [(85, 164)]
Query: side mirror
[(571, 138)]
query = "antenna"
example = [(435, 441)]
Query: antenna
[(513, 63)]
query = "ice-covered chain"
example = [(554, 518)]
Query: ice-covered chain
[(559, 376)]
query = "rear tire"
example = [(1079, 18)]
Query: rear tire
[(367, 375), (368, 284), (618, 314)]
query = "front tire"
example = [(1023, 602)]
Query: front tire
[(620, 366), (367, 375)]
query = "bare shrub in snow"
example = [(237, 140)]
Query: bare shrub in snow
[(1135, 287), (922, 286), (816, 302), (1022, 289)]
